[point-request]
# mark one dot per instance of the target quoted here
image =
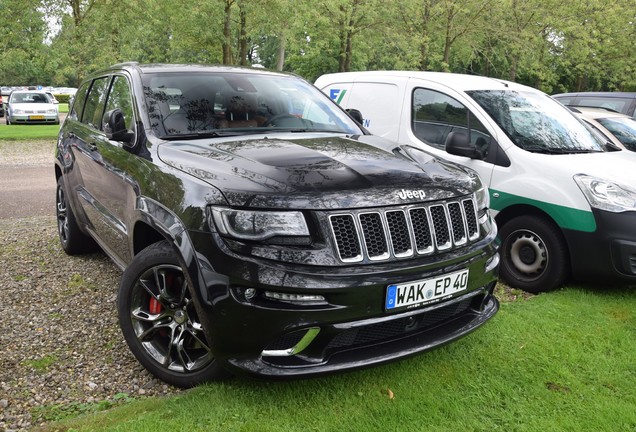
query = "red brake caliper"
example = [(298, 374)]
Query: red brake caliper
[(154, 306)]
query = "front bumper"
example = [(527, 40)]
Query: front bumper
[(607, 255), (34, 118), (351, 328), (353, 345)]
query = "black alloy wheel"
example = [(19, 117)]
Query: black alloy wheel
[(160, 322)]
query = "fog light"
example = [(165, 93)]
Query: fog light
[(249, 294), (492, 263), (295, 298)]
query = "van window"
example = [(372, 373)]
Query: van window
[(619, 105), (435, 115)]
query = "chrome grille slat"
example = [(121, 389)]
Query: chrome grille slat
[(404, 231)]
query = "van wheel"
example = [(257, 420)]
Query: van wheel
[(160, 322), (534, 254)]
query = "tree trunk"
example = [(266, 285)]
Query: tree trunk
[(227, 33), (242, 35), (424, 46), (342, 25), (282, 45)]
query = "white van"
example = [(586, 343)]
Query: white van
[(564, 200)]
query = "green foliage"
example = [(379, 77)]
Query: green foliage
[(549, 44), (63, 99)]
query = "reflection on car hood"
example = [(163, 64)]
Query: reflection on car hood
[(319, 173)]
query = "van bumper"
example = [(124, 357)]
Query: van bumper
[(609, 253)]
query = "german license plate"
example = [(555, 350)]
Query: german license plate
[(418, 293), (36, 117)]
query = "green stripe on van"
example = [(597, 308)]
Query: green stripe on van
[(340, 96), (565, 217)]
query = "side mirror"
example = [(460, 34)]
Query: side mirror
[(114, 125), (356, 115), (457, 144)]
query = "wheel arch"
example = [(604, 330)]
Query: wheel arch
[(58, 172), (514, 211), (157, 223), (144, 235)]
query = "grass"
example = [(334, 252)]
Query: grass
[(29, 132), (562, 361), (41, 364)]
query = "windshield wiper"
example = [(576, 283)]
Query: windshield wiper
[(305, 130), (547, 150), (209, 134)]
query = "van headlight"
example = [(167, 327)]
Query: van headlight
[(259, 225), (606, 195)]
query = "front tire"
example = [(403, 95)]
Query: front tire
[(159, 320), (534, 254)]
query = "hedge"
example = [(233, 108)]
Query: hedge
[(63, 98)]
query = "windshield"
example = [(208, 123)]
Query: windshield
[(232, 103), (624, 129), (29, 98), (537, 123)]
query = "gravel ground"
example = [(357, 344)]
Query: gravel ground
[(61, 350)]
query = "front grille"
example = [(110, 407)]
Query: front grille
[(404, 231)]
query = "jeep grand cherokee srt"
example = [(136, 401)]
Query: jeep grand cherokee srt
[(260, 230)]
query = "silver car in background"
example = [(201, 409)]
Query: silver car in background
[(31, 107)]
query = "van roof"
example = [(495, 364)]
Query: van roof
[(457, 81)]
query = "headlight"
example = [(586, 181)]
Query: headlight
[(51, 111), (17, 111), (259, 225), (483, 197), (481, 193), (606, 195)]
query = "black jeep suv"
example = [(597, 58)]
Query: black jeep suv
[(261, 230)]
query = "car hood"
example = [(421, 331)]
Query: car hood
[(317, 172)]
